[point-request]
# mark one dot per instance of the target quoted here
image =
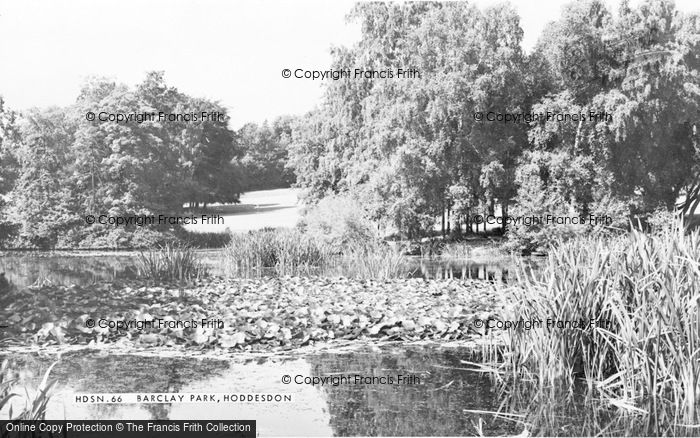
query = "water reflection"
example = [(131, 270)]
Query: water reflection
[(496, 270), (433, 407), (448, 399), (26, 269), (443, 270)]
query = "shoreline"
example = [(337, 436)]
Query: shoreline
[(472, 346)]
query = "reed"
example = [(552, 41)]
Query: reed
[(170, 263), (276, 252), (34, 407), (295, 253), (642, 353), (376, 261)]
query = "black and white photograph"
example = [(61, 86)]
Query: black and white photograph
[(305, 218)]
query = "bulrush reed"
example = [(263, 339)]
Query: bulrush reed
[(620, 314), (34, 407), (296, 253), (170, 263)]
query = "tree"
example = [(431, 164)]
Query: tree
[(42, 198), (9, 169), (266, 153), (407, 146), (641, 69), (163, 156)]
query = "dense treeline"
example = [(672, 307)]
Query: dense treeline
[(413, 150), (58, 167), (266, 153)]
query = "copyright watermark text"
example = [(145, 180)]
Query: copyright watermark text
[(549, 323), (536, 220)]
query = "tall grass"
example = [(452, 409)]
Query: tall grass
[(34, 408), (643, 352), (293, 252), (170, 263), (277, 252), (375, 261)]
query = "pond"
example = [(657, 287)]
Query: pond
[(434, 402), (24, 269)]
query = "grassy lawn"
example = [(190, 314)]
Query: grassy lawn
[(259, 209)]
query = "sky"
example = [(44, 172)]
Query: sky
[(229, 51)]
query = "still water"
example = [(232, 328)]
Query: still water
[(440, 396), (432, 402), (24, 269)]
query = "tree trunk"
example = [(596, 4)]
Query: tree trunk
[(448, 220), (443, 220), (470, 222)]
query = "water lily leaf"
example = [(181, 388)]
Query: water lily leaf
[(334, 319), (408, 324), (230, 341), (440, 326), (200, 336)]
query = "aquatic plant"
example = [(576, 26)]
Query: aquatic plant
[(377, 261), (170, 263), (284, 252), (636, 337), (258, 313), (294, 252), (35, 407)]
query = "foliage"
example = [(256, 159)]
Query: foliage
[(639, 67), (34, 409), (265, 153), (641, 291), (170, 263), (340, 222), (294, 252), (282, 252), (401, 144), (68, 167), (412, 150), (550, 184), (204, 239), (8, 171), (376, 261)]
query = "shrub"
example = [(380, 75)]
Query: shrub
[(560, 185), (339, 221)]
